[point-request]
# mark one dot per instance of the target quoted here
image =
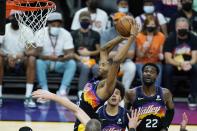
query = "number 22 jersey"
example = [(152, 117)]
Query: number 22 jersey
[(152, 109)]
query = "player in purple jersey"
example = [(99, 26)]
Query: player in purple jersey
[(112, 116), (154, 104), (97, 91)]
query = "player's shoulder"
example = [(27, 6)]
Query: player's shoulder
[(100, 109), (123, 110), (166, 92), (131, 93)]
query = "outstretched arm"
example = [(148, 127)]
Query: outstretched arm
[(112, 43), (109, 83), (105, 50), (78, 112), (170, 109)]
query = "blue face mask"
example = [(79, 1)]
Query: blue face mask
[(85, 24), (123, 9), (149, 9)]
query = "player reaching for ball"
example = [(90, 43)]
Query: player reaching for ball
[(97, 91)]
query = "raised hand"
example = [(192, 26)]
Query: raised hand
[(184, 121), (134, 119), (43, 94), (135, 28)]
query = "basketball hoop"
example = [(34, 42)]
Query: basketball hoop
[(32, 17)]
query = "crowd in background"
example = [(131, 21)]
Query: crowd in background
[(167, 37)]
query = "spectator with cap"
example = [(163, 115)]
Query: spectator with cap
[(99, 17), (87, 44), (149, 9), (187, 12), (16, 58), (56, 54), (127, 67)]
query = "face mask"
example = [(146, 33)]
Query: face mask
[(150, 28), (85, 24), (54, 31), (14, 24), (123, 9), (187, 6), (149, 9), (182, 32)]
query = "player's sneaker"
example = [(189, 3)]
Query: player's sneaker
[(61, 93), (192, 101), (29, 103), (79, 93)]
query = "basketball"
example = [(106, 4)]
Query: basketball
[(124, 25)]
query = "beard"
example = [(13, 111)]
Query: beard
[(148, 83)]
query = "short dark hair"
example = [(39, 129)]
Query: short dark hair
[(151, 64), (25, 128), (121, 88), (93, 125)]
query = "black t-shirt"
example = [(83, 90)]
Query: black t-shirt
[(87, 40), (180, 47)]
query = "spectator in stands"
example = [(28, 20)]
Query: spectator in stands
[(180, 50), (167, 7), (149, 46), (187, 12), (56, 54), (128, 67), (123, 6), (16, 57), (99, 17), (149, 9), (87, 44)]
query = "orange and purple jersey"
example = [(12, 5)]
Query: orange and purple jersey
[(152, 110), (90, 101)]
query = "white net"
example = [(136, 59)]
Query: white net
[(31, 22)]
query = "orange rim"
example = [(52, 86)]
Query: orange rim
[(16, 5)]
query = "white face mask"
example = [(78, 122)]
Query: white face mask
[(149, 9), (54, 31), (123, 9)]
